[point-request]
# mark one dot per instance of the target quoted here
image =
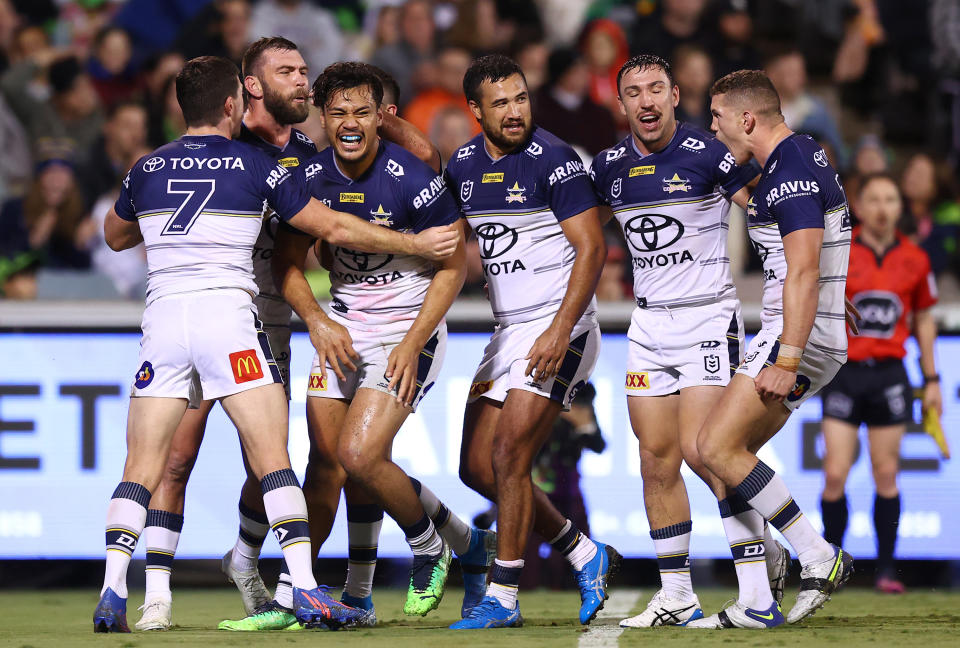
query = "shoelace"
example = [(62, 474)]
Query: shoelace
[(485, 605), (152, 604)]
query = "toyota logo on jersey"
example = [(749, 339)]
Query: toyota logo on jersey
[(651, 232), (495, 239)]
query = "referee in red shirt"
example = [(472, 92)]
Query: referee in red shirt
[(890, 282)]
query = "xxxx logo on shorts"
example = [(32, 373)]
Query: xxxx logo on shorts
[(638, 380), (245, 366), (480, 388), (317, 383)]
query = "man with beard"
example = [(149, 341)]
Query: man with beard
[(201, 332), (670, 186), (530, 202), (277, 89)]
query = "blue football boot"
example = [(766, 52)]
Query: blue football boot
[(593, 580), (111, 613), (488, 613), (315, 609)]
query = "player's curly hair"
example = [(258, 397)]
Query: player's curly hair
[(644, 62), (343, 76), (752, 88), (493, 68)]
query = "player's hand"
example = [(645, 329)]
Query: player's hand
[(402, 371), (334, 346), (547, 353), (932, 398), (853, 316), (437, 243), (774, 383)]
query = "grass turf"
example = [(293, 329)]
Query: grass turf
[(856, 617)]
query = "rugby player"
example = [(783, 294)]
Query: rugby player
[(532, 207), (202, 273), (891, 284), (670, 186), (276, 87), (375, 298), (799, 223)]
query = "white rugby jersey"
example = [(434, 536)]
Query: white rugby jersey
[(199, 203), (515, 205), (673, 208), (800, 189), (398, 191), (272, 308)]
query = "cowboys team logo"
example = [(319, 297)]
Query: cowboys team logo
[(154, 164), (616, 187), (466, 190), (652, 232), (495, 239), (381, 217), (515, 193), (676, 183), (361, 261), (144, 376)]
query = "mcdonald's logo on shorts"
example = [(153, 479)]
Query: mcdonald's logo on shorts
[(637, 380), (246, 366), (317, 383)]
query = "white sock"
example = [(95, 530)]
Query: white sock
[(672, 545), (363, 533), (744, 529), (768, 495), (284, 594), (451, 528), (423, 537), (504, 581), (254, 528), (161, 535), (573, 545), (126, 517), (287, 511)]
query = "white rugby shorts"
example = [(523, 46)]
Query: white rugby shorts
[(374, 349), (203, 345), (816, 369), (669, 350), (504, 362)]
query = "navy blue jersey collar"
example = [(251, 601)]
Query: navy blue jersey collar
[(343, 177), (519, 149), (248, 136), (775, 153), (672, 144)]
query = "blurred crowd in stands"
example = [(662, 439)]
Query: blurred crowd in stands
[(86, 88)]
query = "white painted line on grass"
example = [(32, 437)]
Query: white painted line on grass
[(604, 630)]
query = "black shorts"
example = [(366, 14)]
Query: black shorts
[(871, 392)]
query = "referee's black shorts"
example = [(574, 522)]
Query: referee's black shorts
[(875, 392)]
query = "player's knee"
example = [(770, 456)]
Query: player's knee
[(885, 476), (323, 471), (177, 471), (510, 457), (711, 448), (660, 465), (476, 477)]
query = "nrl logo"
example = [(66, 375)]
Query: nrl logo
[(515, 194), (615, 187), (193, 146), (676, 183), (466, 190), (381, 217)]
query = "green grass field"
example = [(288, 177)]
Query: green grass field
[(856, 617)]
